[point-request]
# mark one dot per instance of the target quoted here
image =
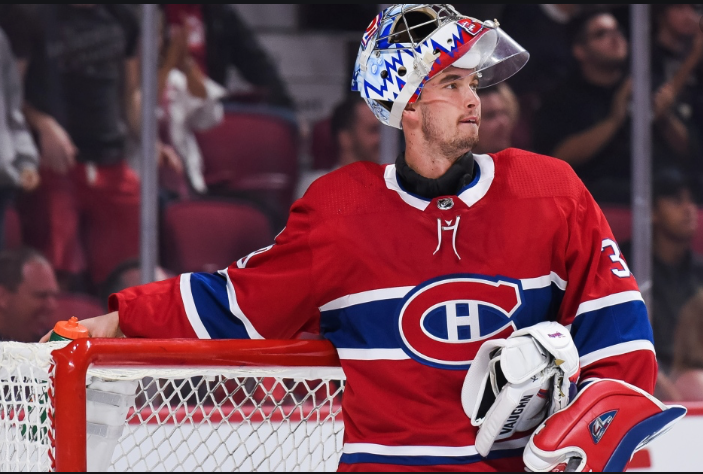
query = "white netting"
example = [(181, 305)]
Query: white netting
[(190, 419)]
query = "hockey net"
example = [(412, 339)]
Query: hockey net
[(188, 406)]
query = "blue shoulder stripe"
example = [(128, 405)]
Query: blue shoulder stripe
[(612, 325)]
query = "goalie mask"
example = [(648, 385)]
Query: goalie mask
[(407, 45)]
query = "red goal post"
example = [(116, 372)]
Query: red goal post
[(73, 364)]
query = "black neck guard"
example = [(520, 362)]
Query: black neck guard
[(449, 184)]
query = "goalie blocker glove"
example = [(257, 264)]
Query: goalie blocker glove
[(606, 424), (515, 383)]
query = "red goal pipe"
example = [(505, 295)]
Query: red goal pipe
[(72, 363)]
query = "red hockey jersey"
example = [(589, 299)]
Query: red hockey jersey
[(407, 289)]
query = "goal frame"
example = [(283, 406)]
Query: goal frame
[(72, 362)]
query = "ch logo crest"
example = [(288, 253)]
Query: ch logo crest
[(444, 321)]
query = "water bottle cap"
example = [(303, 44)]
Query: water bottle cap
[(71, 329)]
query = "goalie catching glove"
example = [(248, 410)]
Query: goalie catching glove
[(515, 383)]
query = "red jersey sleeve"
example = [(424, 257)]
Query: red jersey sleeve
[(267, 294), (602, 303)]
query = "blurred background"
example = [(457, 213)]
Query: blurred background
[(139, 142)]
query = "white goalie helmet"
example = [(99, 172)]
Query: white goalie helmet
[(407, 45)]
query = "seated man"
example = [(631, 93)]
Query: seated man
[(678, 271), (356, 133), (28, 291)]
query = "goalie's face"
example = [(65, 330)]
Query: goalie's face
[(448, 113)]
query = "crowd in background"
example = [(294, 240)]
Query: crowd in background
[(70, 120)]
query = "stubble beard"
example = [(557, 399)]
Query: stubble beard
[(453, 147)]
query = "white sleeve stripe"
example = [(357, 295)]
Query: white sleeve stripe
[(450, 451), (236, 310), (367, 297), (543, 282), (607, 301), (616, 350), (372, 354), (191, 311)]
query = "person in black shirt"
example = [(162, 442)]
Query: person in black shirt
[(585, 121), (19, 24), (82, 101), (677, 68), (677, 271)]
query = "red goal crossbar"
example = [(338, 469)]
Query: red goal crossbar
[(73, 361)]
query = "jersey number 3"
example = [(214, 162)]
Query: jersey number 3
[(616, 257)]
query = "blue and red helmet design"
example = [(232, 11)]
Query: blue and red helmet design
[(407, 45)]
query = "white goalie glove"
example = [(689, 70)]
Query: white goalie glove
[(513, 384)]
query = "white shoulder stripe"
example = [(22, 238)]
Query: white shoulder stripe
[(372, 354), (487, 169), (610, 300), (236, 310), (544, 282), (616, 350), (191, 311), (449, 451), (367, 297)]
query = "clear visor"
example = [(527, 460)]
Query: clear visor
[(495, 55)]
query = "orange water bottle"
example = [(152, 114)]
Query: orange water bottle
[(37, 419), (69, 331)]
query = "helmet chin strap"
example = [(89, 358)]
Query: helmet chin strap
[(396, 116)]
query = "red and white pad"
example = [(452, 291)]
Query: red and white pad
[(600, 430)]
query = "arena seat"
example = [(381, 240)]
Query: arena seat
[(323, 147), (620, 220), (252, 155), (206, 236)]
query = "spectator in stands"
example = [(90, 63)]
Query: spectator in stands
[(219, 39), (688, 352), (28, 291), (677, 271), (17, 21), (542, 29), (82, 97), (357, 134), (585, 121), (499, 114), (189, 101), (678, 73), (18, 155)]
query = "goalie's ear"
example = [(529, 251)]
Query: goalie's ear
[(601, 429)]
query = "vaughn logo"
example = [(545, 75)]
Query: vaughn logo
[(444, 321), (600, 425), (509, 425)]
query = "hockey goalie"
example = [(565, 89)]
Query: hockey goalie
[(481, 309)]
